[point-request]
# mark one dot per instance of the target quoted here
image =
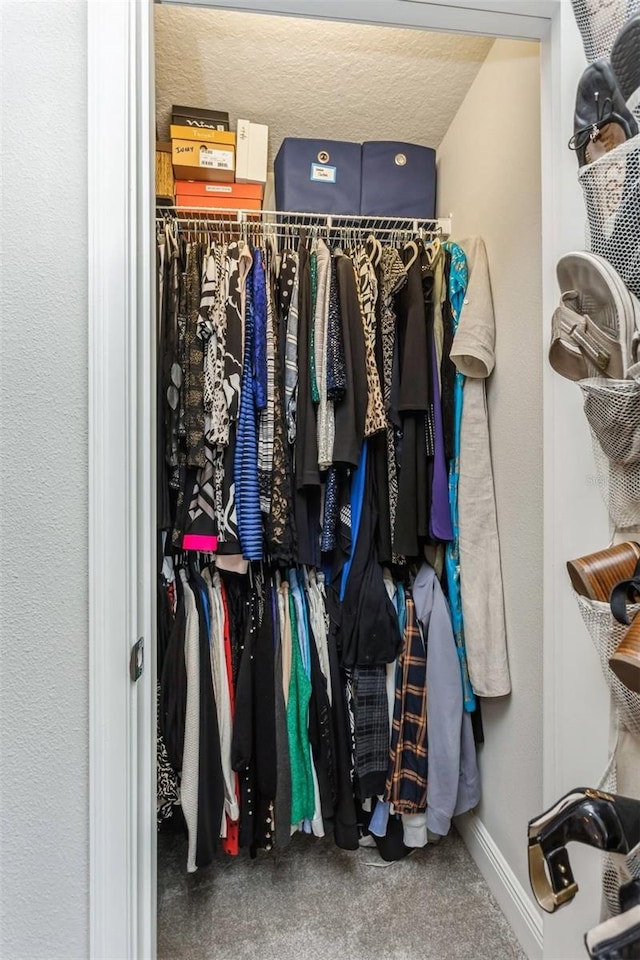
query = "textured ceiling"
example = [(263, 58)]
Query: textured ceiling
[(313, 78)]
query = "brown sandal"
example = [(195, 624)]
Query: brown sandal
[(595, 575), (625, 662)]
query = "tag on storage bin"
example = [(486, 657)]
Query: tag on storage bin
[(322, 173)]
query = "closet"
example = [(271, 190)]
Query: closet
[(325, 581)]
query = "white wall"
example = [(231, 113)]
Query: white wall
[(489, 176), (576, 696), (43, 462)]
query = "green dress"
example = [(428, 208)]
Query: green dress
[(302, 796)]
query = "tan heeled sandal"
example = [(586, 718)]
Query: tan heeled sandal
[(625, 662), (595, 575)]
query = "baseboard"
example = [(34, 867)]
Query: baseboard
[(514, 901)]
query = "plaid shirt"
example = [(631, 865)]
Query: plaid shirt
[(406, 785)]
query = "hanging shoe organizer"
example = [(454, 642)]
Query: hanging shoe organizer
[(606, 633), (612, 409), (599, 23), (611, 187)]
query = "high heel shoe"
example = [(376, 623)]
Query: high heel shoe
[(625, 662), (596, 575), (602, 820)]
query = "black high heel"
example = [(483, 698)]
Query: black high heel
[(602, 820)]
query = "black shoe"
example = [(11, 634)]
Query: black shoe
[(625, 57), (629, 895), (602, 119), (601, 820), (617, 938)]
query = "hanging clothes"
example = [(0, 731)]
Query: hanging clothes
[(406, 784), (473, 352), (454, 783), (457, 278), (311, 435), (411, 410)]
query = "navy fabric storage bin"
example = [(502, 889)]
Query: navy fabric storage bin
[(318, 176), (398, 180)]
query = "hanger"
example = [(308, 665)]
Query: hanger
[(432, 250), (373, 249), (413, 246)]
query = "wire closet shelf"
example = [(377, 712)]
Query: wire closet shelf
[(285, 224)]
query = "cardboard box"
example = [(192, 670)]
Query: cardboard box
[(242, 150), (199, 118), (204, 135), (239, 191), (198, 160), (217, 202), (253, 146), (164, 171)]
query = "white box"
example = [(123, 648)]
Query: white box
[(242, 150), (258, 150), (252, 147)]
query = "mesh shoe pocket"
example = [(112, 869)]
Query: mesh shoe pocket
[(599, 23), (606, 633), (612, 409), (611, 187)]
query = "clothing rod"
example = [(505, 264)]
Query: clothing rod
[(282, 221)]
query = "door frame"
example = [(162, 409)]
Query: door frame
[(121, 208)]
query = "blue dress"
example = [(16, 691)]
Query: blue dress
[(458, 280), (245, 464)]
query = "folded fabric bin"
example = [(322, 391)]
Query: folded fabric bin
[(398, 180), (318, 176)]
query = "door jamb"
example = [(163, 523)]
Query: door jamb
[(122, 411)]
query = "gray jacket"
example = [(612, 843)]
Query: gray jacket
[(454, 782)]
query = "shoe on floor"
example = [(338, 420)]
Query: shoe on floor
[(595, 329), (602, 119), (625, 57)]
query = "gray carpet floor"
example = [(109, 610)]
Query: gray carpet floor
[(320, 903)]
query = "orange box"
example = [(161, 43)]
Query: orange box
[(217, 202), (240, 191), (202, 134), (203, 160)]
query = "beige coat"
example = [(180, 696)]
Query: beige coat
[(473, 353)]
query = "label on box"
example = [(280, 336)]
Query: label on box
[(218, 188), (202, 124), (219, 159), (322, 173)]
